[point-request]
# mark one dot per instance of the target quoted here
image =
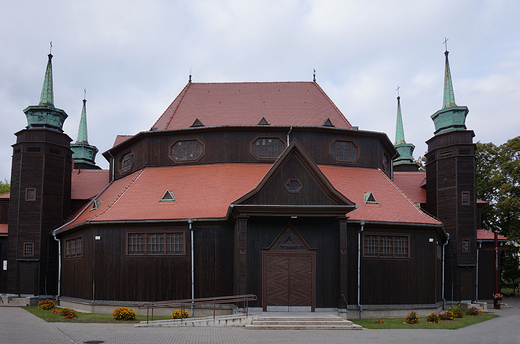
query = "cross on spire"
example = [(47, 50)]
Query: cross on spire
[(397, 89), (446, 43), (50, 49)]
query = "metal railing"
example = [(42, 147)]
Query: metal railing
[(183, 304)]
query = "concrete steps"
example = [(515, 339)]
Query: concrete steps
[(302, 323)]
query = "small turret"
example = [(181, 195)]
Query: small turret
[(84, 155), (405, 160)]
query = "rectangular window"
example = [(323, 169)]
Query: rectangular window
[(465, 197), (28, 249), (465, 246), (386, 246), (74, 247), (30, 194), (156, 243)]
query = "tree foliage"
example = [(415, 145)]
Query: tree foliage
[(498, 183), (4, 186)]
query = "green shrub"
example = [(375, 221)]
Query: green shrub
[(412, 318), (179, 314), (123, 313), (46, 304), (432, 318), (457, 311)]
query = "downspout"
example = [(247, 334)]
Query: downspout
[(359, 271), (443, 259), (190, 222), (288, 136), (476, 284), (59, 266)]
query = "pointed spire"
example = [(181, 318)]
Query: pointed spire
[(47, 96), (399, 128), (404, 149), (82, 131), (449, 97)]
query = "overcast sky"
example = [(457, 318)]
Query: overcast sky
[(134, 57)]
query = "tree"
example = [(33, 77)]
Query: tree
[(498, 183), (4, 186)]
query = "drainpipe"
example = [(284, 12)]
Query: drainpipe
[(443, 259), (479, 247), (59, 266), (288, 136), (190, 222), (359, 271)]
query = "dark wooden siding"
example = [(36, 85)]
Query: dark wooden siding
[(234, 145), (414, 280), (106, 272)]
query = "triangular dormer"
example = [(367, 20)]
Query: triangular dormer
[(294, 186), (168, 197), (197, 123), (263, 121), (328, 123)]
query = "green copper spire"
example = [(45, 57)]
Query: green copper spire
[(449, 96), (404, 149), (84, 155), (399, 130), (47, 97), (451, 116), (82, 131), (45, 115)]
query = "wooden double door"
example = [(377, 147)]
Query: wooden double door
[(289, 281)]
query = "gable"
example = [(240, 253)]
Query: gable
[(296, 181)]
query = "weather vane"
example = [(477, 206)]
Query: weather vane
[(446, 43)]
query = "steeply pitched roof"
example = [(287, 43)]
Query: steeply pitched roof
[(246, 103), (207, 191), (484, 234), (411, 183), (87, 183), (393, 205)]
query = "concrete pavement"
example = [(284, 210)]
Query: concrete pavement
[(19, 326)]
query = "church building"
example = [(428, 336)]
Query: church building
[(258, 188)]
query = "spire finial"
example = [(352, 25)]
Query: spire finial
[(314, 76), (50, 49), (399, 128), (85, 94), (397, 89), (446, 44)]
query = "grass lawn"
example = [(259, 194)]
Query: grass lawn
[(398, 323), (87, 317)]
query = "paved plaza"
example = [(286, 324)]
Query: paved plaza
[(19, 326)]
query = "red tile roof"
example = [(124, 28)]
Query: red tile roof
[(393, 204), (484, 234), (411, 183), (206, 191), (87, 183), (3, 228), (5, 195), (121, 138), (280, 103)]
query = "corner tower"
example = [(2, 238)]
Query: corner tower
[(40, 195), (404, 163), (84, 155), (451, 191)]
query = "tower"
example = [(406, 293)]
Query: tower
[(40, 195), (451, 191), (404, 163), (84, 155)]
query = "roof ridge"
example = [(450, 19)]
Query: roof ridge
[(333, 105), (182, 95), (398, 188), (118, 196)]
